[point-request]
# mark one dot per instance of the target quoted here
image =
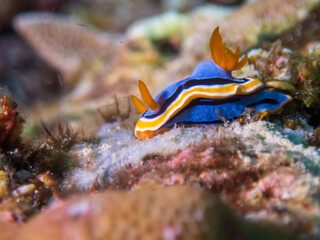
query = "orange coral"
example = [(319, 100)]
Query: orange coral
[(223, 56)]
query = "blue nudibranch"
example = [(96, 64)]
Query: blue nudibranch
[(207, 96)]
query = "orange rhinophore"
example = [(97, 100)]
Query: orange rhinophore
[(223, 56), (145, 94)]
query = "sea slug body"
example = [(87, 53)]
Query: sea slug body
[(207, 96)]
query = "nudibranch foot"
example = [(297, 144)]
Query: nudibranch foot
[(148, 134)]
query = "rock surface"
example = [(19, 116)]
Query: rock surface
[(165, 213)]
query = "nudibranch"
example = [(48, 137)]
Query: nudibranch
[(209, 95)]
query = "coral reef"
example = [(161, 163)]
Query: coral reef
[(303, 33), (29, 172), (24, 76), (48, 32), (314, 137), (270, 18), (266, 172), (164, 213), (112, 15), (165, 31), (253, 22), (290, 72), (257, 168), (10, 8), (98, 65), (117, 15)]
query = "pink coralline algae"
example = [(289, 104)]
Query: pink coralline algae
[(255, 177)]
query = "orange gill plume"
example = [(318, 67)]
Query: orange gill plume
[(223, 56), (145, 94)]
